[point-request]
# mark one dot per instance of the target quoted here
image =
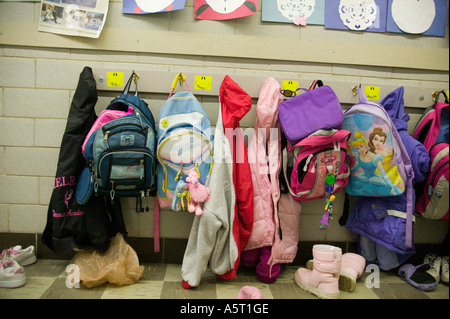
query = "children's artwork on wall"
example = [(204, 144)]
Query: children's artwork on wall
[(301, 12), (151, 6), (425, 17), (224, 9), (358, 15)]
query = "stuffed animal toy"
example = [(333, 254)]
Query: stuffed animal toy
[(199, 193)]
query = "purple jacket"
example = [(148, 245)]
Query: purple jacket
[(381, 218)]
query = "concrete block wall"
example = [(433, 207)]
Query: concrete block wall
[(37, 85)]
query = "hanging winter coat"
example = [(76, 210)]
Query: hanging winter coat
[(383, 219), (70, 225), (211, 241), (235, 104), (264, 153)]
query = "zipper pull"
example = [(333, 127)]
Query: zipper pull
[(313, 169), (180, 172), (112, 193), (307, 162), (139, 117), (105, 139)]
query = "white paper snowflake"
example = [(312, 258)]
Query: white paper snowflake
[(357, 14), (296, 8)]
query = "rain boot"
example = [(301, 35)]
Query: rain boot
[(323, 279), (352, 268)]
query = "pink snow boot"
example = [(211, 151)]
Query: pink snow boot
[(323, 279), (352, 268)]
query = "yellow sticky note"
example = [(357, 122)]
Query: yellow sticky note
[(114, 79), (289, 85), (203, 82), (448, 96), (372, 92)]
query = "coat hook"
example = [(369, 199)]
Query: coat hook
[(136, 77), (355, 90)]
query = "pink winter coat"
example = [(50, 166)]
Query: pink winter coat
[(275, 217)]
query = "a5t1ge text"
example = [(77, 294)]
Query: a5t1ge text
[(228, 308)]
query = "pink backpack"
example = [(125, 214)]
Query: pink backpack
[(104, 117), (432, 130), (316, 166)]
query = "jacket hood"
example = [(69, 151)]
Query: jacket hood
[(269, 99), (235, 102), (394, 104)]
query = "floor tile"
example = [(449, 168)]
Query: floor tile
[(174, 290), (399, 291), (441, 292), (361, 292), (154, 272), (143, 289), (59, 290), (173, 272), (47, 267), (34, 288), (289, 291)]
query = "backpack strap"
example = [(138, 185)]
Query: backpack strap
[(178, 78), (361, 95), (436, 94), (156, 225), (127, 87), (409, 205), (316, 82)]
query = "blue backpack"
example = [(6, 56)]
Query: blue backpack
[(184, 143), (120, 154)]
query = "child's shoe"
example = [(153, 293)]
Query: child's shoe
[(444, 270), (352, 268), (12, 275), (435, 263), (323, 279), (24, 257)]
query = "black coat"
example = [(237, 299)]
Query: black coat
[(70, 225)]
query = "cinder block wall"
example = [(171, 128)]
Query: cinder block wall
[(37, 85)]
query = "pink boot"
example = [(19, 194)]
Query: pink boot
[(323, 279), (352, 268)]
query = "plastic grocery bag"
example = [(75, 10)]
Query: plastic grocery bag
[(118, 265)]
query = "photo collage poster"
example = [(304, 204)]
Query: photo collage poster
[(73, 17)]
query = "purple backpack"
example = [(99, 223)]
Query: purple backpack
[(316, 109)]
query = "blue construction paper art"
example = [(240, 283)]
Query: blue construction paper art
[(151, 6), (357, 15), (437, 27), (285, 11)]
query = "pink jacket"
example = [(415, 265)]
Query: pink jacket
[(271, 212)]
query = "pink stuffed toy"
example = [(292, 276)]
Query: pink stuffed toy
[(199, 193)]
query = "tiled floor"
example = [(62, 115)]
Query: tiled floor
[(46, 279)]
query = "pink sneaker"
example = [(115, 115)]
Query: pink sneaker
[(12, 275), (24, 257)]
